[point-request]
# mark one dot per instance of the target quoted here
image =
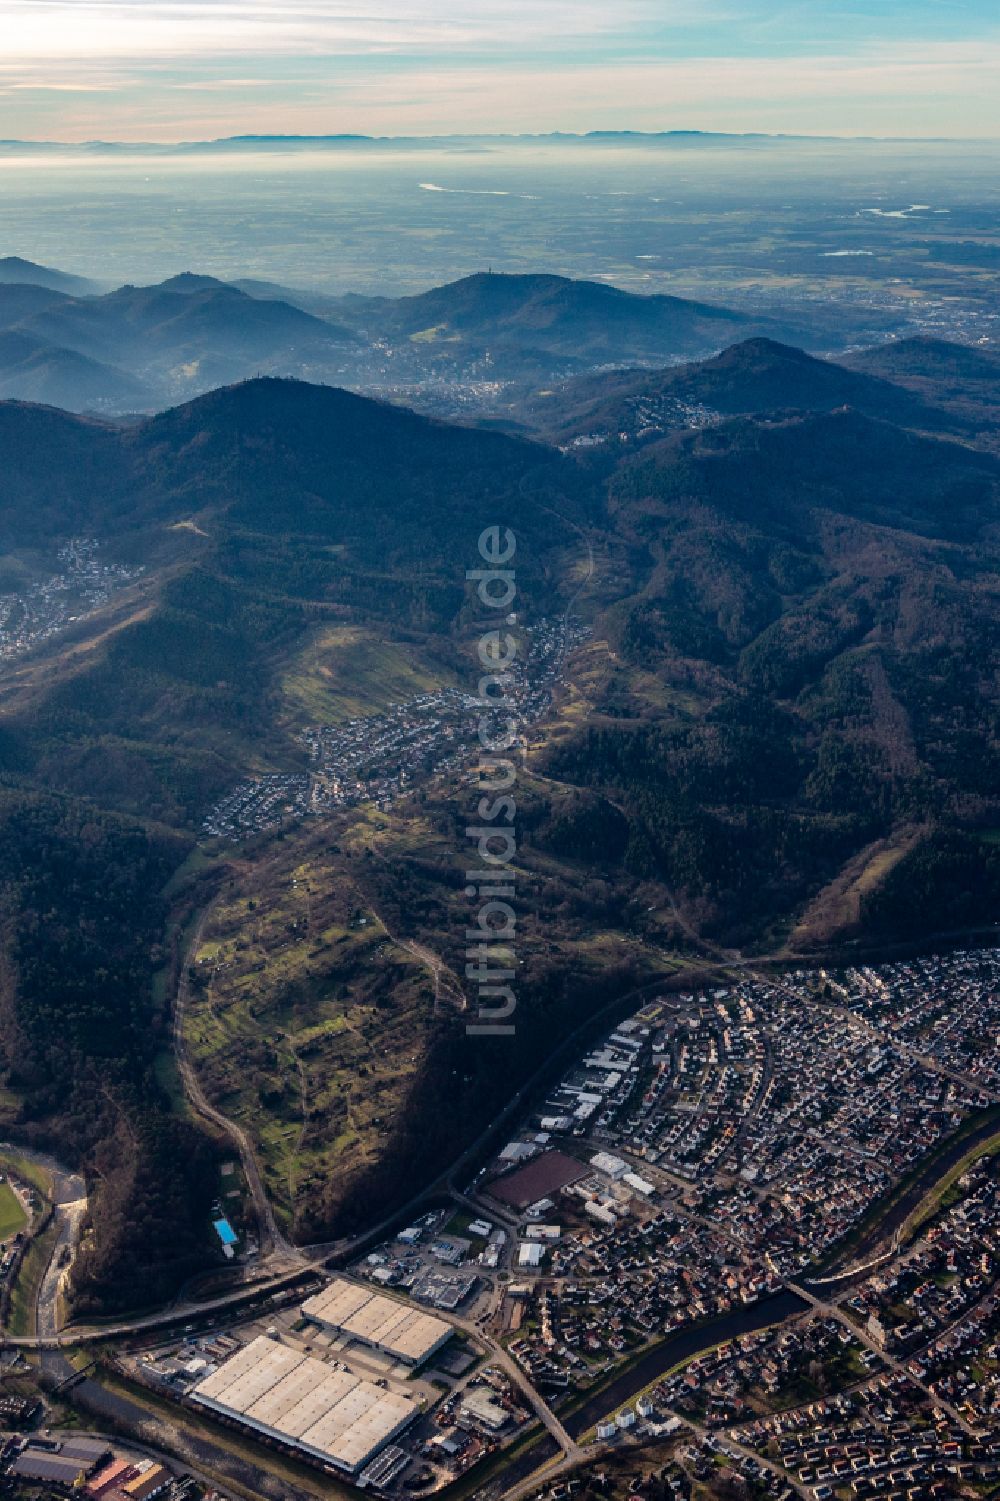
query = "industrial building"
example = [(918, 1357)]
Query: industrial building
[(48, 1468), (481, 1408), (330, 1415), (148, 1482), (407, 1334), (65, 1463), (110, 1477), (613, 1167)]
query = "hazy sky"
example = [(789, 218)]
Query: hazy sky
[(186, 69)]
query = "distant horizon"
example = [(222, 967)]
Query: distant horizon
[(346, 137)]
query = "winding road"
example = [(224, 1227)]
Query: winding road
[(282, 1264), (273, 1242)]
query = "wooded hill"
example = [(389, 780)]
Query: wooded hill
[(790, 693)]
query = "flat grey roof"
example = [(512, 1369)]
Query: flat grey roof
[(333, 1414), (396, 1327)]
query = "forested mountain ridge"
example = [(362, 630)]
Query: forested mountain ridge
[(139, 348), (264, 511), (344, 463), (34, 369), (959, 379), (756, 375), (821, 592), (16, 271), (136, 348), (794, 618), (520, 318)]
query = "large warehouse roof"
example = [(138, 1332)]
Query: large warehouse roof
[(408, 1333), (333, 1415)]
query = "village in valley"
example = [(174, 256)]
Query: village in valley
[(746, 1244), (44, 607), (378, 758)]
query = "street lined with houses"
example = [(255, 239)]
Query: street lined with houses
[(670, 1206), (380, 757)]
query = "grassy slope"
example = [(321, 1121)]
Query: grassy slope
[(12, 1216), (316, 1021), (837, 908), (346, 671), (309, 1021)]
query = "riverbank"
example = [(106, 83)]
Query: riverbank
[(887, 1219), (37, 1304), (653, 1364)]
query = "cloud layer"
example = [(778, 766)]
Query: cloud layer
[(142, 69)]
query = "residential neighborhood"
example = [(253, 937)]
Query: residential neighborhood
[(378, 758), (83, 582)]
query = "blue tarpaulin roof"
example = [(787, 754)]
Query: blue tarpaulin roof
[(225, 1232)]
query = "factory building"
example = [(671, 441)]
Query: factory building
[(48, 1469), (613, 1167), (64, 1463), (330, 1415), (480, 1408), (406, 1333)]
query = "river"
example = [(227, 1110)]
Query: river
[(684, 1345), (878, 1236), (69, 1201)]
